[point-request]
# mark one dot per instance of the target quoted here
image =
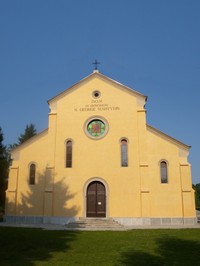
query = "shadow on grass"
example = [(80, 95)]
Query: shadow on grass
[(25, 246), (169, 251)]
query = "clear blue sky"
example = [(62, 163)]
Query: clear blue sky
[(152, 46)]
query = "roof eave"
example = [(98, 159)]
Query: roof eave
[(169, 137), (29, 140), (96, 73)]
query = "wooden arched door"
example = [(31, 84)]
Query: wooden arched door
[(96, 199)]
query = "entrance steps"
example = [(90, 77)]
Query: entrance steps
[(95, 224)]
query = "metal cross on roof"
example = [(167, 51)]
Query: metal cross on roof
[(96, 63)]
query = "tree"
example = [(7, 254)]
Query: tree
[(4, 165), (198, 195), (29, 132)]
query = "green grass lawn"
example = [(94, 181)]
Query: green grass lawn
[(25, 246)]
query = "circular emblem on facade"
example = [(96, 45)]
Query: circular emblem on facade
[(96, 127)]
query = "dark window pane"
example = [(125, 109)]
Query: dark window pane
[(124, 153), (163, 172), (32, 174), (69, 154)]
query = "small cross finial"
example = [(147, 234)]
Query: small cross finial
[(96, 63)]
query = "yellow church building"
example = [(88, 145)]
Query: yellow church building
[(99, 158)]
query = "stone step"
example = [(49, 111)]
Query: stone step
[(94, 223)]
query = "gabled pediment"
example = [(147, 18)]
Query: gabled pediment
[(97, 75)]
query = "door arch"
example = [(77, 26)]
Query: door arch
[(96, 199)]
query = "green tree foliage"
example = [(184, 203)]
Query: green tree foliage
[(197, 195), (4, 165), (29, 132)]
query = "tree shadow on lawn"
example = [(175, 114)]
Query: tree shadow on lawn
[(169, 251), (25, 246)]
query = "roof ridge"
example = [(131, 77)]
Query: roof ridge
[(97, 73)]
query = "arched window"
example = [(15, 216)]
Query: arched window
[(32, 173), (124, 153), (163, 172), (69, 154)]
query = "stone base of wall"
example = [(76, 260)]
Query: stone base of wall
[(128, 222), (38, 219), (156, 221)]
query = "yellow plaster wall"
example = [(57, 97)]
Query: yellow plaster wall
[(133, 191), (29, 198), (101, 158), (163, 196)]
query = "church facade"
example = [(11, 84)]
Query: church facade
[(99, 158)]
